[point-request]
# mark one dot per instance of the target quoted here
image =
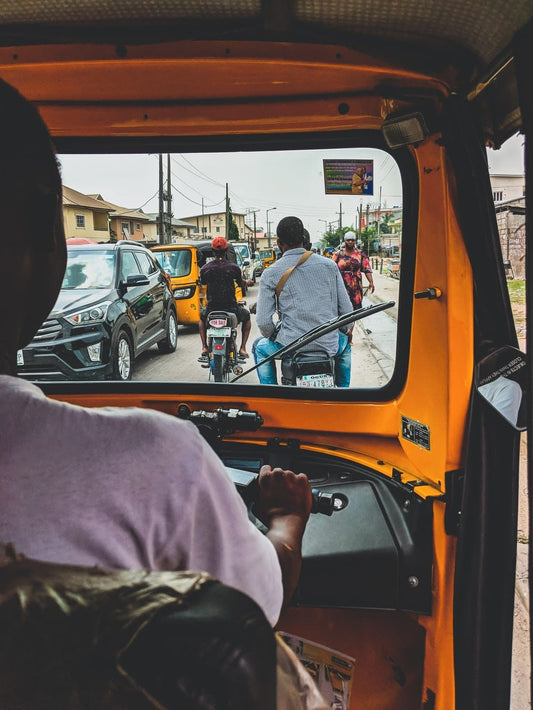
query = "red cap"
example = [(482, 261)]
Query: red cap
[(219, 244)]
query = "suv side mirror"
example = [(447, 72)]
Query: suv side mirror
[(246, 262), (137, 280)]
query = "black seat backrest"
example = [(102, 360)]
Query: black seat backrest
[(76, 638), (218, 652)]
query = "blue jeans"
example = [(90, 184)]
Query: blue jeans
[(263, 347)]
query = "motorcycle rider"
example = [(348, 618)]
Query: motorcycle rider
[(220, 275), (313, 294)]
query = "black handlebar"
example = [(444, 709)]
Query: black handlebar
[(246, 483)]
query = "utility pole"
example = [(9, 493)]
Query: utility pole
[(367, 230), (168, 235), (253, 245), (227, 212), (379, 222), (268, 225), (160, 219), (340, 216)]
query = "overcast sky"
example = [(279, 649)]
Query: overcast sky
[(290, 181)]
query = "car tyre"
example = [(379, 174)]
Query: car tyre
[(169, 343), (122, 357)]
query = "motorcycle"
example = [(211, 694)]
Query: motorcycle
[(313, 368), (308, 369), (222, 345)]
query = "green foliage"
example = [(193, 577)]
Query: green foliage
[(517, 290), (334, 238), (385, 227), (233, 231)]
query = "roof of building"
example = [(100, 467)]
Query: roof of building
[(73, 198), (153, 217), (117, 211), (215, 214), (516, 205)]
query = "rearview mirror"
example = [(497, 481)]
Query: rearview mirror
[(501, 380)]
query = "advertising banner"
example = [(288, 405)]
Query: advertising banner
[(349, 177)]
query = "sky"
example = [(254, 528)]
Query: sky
[(292, 182)]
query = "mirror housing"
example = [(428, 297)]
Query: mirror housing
[(500, 378), (136, 280)]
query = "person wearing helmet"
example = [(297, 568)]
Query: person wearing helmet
[(353, 263), (220, 275)]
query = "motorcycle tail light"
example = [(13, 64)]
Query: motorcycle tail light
[(219, 347), (218, 322)]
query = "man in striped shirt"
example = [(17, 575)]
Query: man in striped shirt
[(313, 294)]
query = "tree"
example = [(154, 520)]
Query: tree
[(385, 227), (233, 230), (369, 239), (335, 237)]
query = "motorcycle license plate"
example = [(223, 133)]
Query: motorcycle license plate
[(322, 380), (219, 332)]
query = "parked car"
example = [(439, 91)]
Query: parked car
[(114, 303), (254, 267)]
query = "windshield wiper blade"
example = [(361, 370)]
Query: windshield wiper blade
[(317, 332)]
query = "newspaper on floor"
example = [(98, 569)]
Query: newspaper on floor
[(332, 671)]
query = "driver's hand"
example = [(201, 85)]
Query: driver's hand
[(283, 493)]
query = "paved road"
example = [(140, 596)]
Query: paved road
[(373, 353), (183, 364)]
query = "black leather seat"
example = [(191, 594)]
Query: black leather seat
[(78, 638)]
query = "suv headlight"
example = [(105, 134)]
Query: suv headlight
[(93, 314)]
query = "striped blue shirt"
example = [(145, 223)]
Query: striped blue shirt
[(313, 294)]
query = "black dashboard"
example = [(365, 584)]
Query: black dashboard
[(374, 549)]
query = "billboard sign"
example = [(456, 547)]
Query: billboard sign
[(349, 177)]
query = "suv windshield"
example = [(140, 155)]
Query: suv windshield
[(88, 269)]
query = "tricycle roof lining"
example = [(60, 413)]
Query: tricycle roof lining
[(459, 42)]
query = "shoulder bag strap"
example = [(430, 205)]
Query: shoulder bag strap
[(283, 279)]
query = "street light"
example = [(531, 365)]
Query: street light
[(268, 228)]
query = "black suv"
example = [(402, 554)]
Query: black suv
[(115, 302)]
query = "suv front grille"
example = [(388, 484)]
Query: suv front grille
[(49, 330)]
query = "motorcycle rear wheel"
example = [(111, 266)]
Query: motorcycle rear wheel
[(219, 367)]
